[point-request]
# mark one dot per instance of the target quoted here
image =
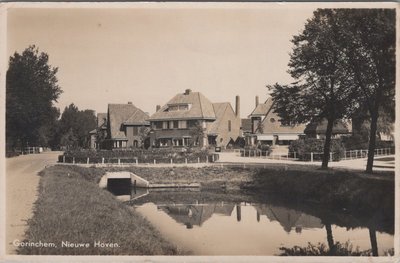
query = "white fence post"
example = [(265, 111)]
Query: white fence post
[(171, 161), (185, 160), (119, 161), (137, 161), (198, 159), (63, 158), (330, 156), (312, 157), (87, 161), (102, 160), (154, 161), (73, 160)]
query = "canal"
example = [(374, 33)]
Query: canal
[(237, 223)]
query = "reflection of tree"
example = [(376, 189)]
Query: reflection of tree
[(329, 237), (374, 245), (340, 249)]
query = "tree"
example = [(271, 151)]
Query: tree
[(75, 126), (322, 88), (31, 89), (368, 38), (143, 133)]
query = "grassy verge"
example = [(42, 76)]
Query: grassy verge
[(72, 208)]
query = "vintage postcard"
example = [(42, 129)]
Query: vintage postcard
[(182, 131)]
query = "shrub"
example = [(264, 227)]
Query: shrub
[(162, 155), (304, 147)]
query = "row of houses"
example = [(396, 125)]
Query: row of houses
[(191, 119)]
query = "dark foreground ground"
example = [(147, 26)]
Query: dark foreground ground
[(71, 207)]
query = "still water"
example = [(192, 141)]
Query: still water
[(205, 224)]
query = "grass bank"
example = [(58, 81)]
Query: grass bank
[(72, 208)]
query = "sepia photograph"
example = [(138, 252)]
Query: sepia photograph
[(199, 129)]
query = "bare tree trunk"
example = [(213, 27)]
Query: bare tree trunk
[(327, 145), (372, 142)]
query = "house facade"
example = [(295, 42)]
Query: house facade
[(190, 119), (268, 128), (126, 125)]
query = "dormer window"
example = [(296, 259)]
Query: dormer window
[(178, 107)]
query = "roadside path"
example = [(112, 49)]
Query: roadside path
[(21, 192)]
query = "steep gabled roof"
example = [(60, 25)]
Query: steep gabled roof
[(219, 109), (271, 122), (101, 120), (124, 114), (262, 109), (200, 108)]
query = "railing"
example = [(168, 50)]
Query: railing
[(315, 156), (135, 161)]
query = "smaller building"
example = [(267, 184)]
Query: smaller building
[(268, 128), (126, 126), (98, 135)]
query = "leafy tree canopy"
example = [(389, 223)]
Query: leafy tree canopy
[(31, 89)]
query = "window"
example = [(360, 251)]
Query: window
[(165, 125), (182, 125), (183, 107), (178, 107), (229, 125), (175, 125), (158, 124)]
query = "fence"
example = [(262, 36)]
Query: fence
[(316, 156), (134, 160), (267, 154)]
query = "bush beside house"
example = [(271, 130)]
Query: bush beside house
[(304, 147)]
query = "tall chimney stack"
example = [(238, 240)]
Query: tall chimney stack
[(237, 111), (158, 107), (257, 102)]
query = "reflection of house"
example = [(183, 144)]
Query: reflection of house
[(125, 122), (191, 215), (189, 118), (267, 126), (99, 132), (289, 218), (317, 129)]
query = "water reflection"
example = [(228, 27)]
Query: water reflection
[(208, 223)]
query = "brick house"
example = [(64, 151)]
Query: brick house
[(268, 128), (190, 119), (125, 123)]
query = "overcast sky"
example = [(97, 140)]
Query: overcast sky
[(147, 55)]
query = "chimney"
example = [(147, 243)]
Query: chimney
[(130, 102), (187, 91), (257, 102), (237, 111), (158, 107)]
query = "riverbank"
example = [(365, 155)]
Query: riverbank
[(73, 216), (339, 188)]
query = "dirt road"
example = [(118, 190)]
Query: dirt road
[(21, 192)]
